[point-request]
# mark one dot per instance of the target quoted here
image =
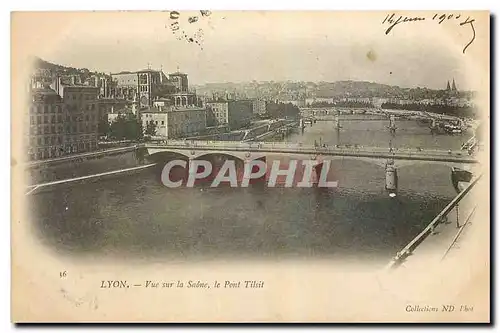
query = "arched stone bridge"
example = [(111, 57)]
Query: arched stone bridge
[(257, 150)]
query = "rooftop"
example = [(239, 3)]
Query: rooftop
[(170, 109), (77, 86), (229, 101), (124, 110), (146, 70), (183, 93), (43, 91)]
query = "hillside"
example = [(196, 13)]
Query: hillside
[(285, 90), (58, 69)]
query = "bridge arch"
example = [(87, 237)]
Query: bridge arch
[(167, 155), (210, 155), (234, 154)]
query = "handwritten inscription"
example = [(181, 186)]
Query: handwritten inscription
[(392, 20)]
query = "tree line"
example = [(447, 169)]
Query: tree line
[(282, 110), (126, 127)]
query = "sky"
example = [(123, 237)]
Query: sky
[(264, 46)]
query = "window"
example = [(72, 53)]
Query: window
[(163, 122)]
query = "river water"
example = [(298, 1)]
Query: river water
[(136, 216)]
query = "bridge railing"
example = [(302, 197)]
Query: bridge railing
[(299, 147), (410, 247)]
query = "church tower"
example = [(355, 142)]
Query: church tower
[(454, 87), (448, 89)]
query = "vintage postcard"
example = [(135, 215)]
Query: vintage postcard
[(250, 166)]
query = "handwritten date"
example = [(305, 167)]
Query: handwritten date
[(393, 20)]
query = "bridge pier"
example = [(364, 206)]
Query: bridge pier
[(391, 178), (392, 124), (433, 126), (336, 122)]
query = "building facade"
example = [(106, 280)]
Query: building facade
[(171, 122), (44, 127), (258, 106), (180, 81), (110, 105), (235, 114), (140, 86), (82, 115), (62, 121), (104, 83)]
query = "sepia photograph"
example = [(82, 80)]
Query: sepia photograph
[(250, 166)]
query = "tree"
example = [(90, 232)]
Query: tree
[(150, 128), (281, 110), (103, 127), (126, 127)]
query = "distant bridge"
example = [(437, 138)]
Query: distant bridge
[(354, 117), (319, 112)]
